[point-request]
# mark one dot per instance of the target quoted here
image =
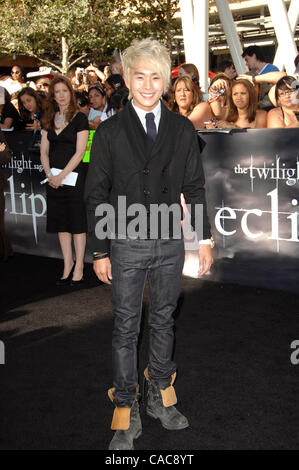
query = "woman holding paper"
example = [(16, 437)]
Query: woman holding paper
[(64, 138)]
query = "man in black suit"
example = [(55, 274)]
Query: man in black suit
[(145, 157)]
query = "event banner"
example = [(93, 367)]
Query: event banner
[(25, 198), (252, 179)]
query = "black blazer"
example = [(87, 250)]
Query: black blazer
[(124, 161)]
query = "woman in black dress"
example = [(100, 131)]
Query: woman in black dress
[(64, 138)]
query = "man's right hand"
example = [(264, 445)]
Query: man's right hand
[(102, 268)]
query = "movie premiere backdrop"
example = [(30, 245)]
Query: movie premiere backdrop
[(252, 178)]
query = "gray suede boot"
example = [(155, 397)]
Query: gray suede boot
[(127, 424), (160, 404)]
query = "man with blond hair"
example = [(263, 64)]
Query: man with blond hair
[(149, 156)]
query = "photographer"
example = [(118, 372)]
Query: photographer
[(95, 74), (80, 80)]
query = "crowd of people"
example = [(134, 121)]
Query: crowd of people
[(262, 98), (231, 101), (66, 110), (99, 95)]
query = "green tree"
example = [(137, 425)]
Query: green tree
[(61, 32), (57, 32), (143, 18)]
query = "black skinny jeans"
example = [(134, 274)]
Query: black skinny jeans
[(134, 261)]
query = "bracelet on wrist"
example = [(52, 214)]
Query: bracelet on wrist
[(215, 99), (96, 256), (49, 174), (208, 241)]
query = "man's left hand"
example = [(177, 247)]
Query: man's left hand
[(205, 259)]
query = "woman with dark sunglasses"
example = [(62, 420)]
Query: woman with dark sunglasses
[(17, 75), (42, 84)]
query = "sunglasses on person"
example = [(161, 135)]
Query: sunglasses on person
[(40, 85), (83, 103), (16, 72)]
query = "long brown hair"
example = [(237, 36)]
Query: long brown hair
[(24, 113), (172, 104), (193, 70), (252, 104), (48, 120), (193, 73)]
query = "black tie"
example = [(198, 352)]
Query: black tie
[(151, 126)]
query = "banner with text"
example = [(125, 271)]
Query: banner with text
[(252, 179)]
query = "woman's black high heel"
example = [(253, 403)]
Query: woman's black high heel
[(77, 283), (66, 280)]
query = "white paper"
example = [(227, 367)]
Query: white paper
[(69, 180)]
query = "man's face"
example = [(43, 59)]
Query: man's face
[(145, 85), (250, 61)]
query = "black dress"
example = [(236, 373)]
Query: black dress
[(65, 205)]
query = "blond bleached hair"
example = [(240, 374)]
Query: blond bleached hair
[(153, 53)]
